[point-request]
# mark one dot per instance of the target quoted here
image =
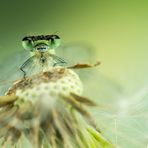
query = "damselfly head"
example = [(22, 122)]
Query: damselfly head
[(41, 43)]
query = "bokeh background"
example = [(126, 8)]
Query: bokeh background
[(117, 30)]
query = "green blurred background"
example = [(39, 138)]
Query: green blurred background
[(118, 31)]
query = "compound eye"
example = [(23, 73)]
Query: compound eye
[(54, 41), (28, 43)]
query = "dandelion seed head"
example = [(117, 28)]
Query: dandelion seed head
[(47, 87)]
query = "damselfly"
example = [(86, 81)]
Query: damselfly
[(42, 49), (39, 55)]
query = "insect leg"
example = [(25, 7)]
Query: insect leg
[(25, 64), (58, 60)]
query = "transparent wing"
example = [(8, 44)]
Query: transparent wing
[(74, 53), (10, 69)]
